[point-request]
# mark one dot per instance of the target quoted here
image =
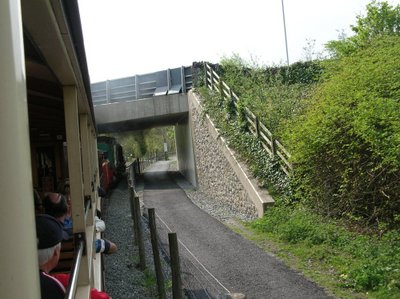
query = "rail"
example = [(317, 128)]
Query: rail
[(271, 145)]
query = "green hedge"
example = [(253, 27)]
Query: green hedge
[(346, 147)]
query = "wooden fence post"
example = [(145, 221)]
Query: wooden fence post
[(257, 127), (135, 219), (211, 79), (205, 75), (131, 192), (273, 147), (156, 254), (142, 257), (175, 266), (232, 101)]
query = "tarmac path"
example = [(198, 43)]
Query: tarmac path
[(214, 259)]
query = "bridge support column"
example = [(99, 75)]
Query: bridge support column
[(185, 151)]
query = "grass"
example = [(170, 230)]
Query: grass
[(346, 264), (149, 280)]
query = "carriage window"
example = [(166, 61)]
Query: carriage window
[(46, 168)]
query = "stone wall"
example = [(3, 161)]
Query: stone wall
[(215, 175)]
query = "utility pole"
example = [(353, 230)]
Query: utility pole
[(286, 43)]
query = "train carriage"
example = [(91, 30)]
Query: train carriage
[(48, 134), (111, 161)]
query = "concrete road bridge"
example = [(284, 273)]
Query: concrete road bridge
[(164, 99), (146, 101)]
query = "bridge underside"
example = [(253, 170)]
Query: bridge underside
[(141, 114), (143, 123)]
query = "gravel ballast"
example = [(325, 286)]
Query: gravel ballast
[(123, 279)]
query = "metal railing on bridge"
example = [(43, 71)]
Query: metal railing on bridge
[(170, 81)]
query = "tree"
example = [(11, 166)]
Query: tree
[(381, 19), (133, 143)]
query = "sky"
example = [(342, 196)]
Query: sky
[(126, 37)]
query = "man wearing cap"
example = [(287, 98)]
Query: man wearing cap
[(55, 204), (50, 233)]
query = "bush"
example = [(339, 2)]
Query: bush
[(346, 147), (272, 93)]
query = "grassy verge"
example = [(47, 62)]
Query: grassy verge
[(347, 264)]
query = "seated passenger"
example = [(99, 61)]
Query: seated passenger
[(55, 204), (49, 234)]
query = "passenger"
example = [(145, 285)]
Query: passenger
[(55, 204), (49, 232)]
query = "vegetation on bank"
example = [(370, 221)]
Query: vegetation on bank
[(350, 264), (339, 211)]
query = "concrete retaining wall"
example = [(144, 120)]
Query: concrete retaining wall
[(219, 173), (184, 151)]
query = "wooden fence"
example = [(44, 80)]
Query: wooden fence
[(272, 146)]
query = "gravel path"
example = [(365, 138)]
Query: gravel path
[(214, 259)]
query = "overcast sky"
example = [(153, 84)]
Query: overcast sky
[(126, 37)]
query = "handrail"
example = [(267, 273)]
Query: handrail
[(76, 264), (79, 240), (271, 145)]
